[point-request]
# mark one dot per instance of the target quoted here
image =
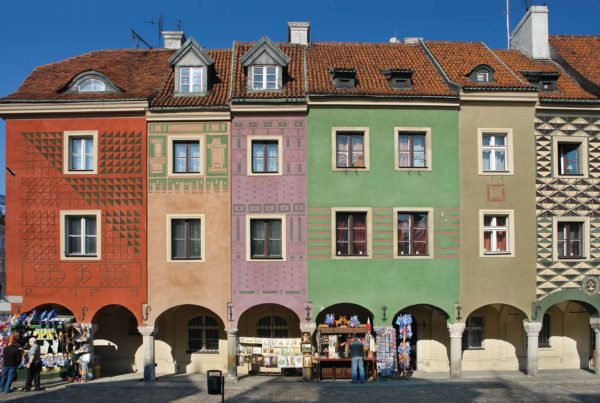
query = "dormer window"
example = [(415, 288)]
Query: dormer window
[(190, 79), (547, 86), (482, 74), (400, 79), (343, 78), (265, 77), (544, 80), (92, 85)]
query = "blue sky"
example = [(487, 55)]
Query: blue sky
[(38, 32)]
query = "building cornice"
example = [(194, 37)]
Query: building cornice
[(30, 108), (499, 96), (433, 102), (268, 108), (187, 116)]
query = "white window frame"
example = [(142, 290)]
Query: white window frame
[(95, 82), (250, 217), (482, 76), (430, 237), (369, 212), (67, 136), (64, 214), (171, 156), (508, 149), (183, 216), (250, 140), (201, 83), (413, 130), (510, 233), (264, 86), (358, 130), (583, 156), (585, 238)]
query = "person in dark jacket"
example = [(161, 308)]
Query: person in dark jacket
[(12, 359), (357, 354)]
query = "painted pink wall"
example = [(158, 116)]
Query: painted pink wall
[(278, 282)]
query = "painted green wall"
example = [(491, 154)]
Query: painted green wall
[(383, 280)]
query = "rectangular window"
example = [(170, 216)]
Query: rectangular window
[(186, 156), (494, 152), (264, 77), (411, 150), (81, 153), (544, 336), (265, 156), (482, 76), (412, 234), (81, 235), (569, 158), (190, 79), (570, 240), (203, 334), (350, 150), (473, 334), (495, 234), (186, 239), (351, 234), (266, 239)]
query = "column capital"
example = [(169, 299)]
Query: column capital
[(532, 328), (308, 327), (148, 330), (456, 329), (231, 331), (595, 324)]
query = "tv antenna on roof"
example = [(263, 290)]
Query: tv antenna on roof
[(160, 24), (138, 39)]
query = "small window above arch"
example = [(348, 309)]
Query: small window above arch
[(482, 74), (91, 82)]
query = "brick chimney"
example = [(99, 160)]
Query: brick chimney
[(531, 34), (299, 33), (173, 39)]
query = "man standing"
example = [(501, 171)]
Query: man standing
[(357, 354), (34, 366), (12, 359)]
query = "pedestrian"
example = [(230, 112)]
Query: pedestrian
[(12, 359), (34, 366), (357, 354)]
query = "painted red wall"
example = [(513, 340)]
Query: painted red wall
[(39, 190)]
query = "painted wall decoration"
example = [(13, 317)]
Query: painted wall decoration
[(557, 197)]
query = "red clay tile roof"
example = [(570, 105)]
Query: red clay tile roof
[(368, 59), (458, 59), (293, 86), (581, 53), (566, 86), (137, 72), (218, 96)]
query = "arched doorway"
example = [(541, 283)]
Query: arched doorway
[(190, 339), (347, 310), (494, 339), (116, 340)]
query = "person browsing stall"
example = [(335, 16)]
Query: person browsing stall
[(34, 366), (357, 355), (12, 359)]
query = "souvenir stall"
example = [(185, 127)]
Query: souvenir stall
[(404, 323), (65, 346), (332, 358), (269, 355), (386, 351)]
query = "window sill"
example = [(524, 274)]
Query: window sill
[(571, 259), (190, 94), (201, 260), (496, 173), (497, 254), (351, 257), (265, 259), (82, 172), (409, 169), (81, 256), (350, 169), (264, 173), (413, 256)]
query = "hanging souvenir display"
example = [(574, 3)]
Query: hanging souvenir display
[(404, 323), (386, 350)]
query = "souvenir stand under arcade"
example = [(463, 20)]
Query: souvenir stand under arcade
[(265, 355)]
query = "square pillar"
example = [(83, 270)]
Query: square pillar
[(232, 342), (533, 330), (595, 324), (456, 331), (148, 333)]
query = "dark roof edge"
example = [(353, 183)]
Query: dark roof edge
[(585, 83), (187, 108), (453, 86), (394, 97), (570, 100), (500, 89), (67, 101), (294, 100)]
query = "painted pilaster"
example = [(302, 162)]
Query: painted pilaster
[(456, 331), (148, 333), (307, 327), (595, 324), (533, 330), (232, 342)]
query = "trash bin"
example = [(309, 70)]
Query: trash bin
[(215, 382)]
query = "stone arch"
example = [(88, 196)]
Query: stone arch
[(248, 320), (347, 309), (592, 302)]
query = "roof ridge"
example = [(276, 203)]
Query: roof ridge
[(99, 51)]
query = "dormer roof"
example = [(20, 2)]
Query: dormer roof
[(264, 45), (191, 45)]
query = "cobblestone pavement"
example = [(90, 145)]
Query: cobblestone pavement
[(554, 386)]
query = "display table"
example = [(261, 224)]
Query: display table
[(341, 368)]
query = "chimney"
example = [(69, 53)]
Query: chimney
[(299, 33), (411, 40), (173, 39), (531, 34)]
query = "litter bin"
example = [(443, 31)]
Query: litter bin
[(215, 383)]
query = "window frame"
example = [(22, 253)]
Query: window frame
[(413, 130), (93, 79), (510, 218), (67, 137), (264, 77), (171, 140), (179, 81), (468, 327), (249, 155), (585, 238), (184, 216), (508, 133), (64, 214), (249, 218), (203, 327), (583, 156), (350, 130), (430, 237), (272, 327), (369, 235)]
